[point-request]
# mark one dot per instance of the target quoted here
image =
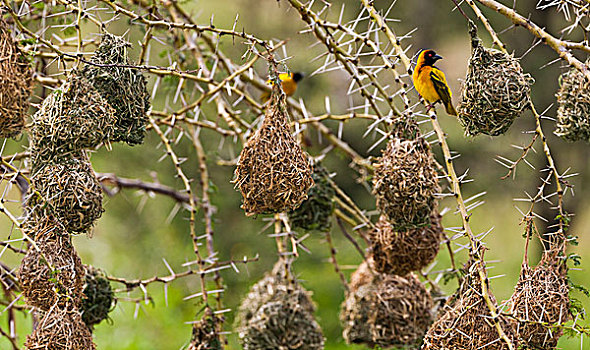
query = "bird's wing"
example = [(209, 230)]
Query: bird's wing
[(440, 84)]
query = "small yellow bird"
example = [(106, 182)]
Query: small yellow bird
[(430, 82), (288, 83)]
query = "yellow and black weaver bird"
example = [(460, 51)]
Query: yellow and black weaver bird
[(288, 83), (430, 82)]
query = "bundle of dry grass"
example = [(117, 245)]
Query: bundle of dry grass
[(573, 114), (465, 321), (69, 193), (60, 329), (51, 273), (273, 172), (72, 118), (16, 82), (405, 183), (400, 252), (316, 211), (123, 87), (277, 313), (205, 336), (494, 93), (385, 310), (98, 299), (540, 301)]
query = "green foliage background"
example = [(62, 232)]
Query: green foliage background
[(138, 231)]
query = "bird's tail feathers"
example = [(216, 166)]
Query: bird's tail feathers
[(450, 109)]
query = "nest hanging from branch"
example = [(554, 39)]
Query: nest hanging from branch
[(495, 92), (273, 172), (98, 299), (60, 329), (400, 252), (405, 183), (70, 194), (124, 88), (465, 321), (72, 118), (205, 336), (53, 274), (16, 83), (385, 310), (277, 313), (316, 211), (573, 113), (540, 301)]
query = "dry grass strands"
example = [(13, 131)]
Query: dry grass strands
[(205, 336), (98, 299), (124, 88), (60, 329), (273, 172), (405, 183), (316, 211), (573, 113), (400, 252), (540, 301), (71, 194), (465, 322), (16, 82), (494, 93), (277, 313), (53, 274), (72, 118), (385, 310)]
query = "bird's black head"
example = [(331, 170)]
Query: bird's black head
[(297, 76), (429, 57)]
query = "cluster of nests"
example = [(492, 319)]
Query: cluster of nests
[(495, 92), (101, 103), (273, 173), (277, 313), (16, 82)]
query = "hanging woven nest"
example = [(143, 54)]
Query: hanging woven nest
[(16, 83), (400, 252), (465, 321), (385, 310), (98, 299), (277, 313), (495, 92), (405, 183), (60, 329), (205, 336), (123, 88), (273, 172), (573, 113), (540, 301), (51, 272), (316, 211), (69, 193), (72, 118)]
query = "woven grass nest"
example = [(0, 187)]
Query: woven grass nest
[(400, 252), (60, 329), (273, 172), (205, 336), (495, 92), (573, 113), (277, 313), (123, 88), (98, 299), (541, 297), (53, 274), (70, 192), (72, 118), (405, 183), (385, 310), (316, 211), (16, 83), (465, 322)]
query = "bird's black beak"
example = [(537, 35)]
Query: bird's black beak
[(437, 57)]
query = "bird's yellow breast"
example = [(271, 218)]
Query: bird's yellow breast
[(424, 85)]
